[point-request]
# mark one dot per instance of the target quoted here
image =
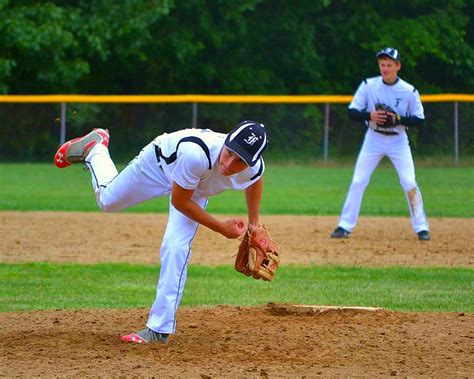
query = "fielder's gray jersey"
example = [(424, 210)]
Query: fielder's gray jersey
[(190, 158), (400, 96)]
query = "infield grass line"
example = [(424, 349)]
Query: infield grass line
[(298, 190), (35, 286)]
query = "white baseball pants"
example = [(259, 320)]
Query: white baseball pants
[(143, 179), (374, 148)]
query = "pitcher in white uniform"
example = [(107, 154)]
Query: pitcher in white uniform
[(190, 165), (390, 90)]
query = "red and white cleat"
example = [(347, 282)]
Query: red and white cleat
[(133, 338), (77, 149), (146, 336)]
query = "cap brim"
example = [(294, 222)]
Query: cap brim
[(241, 153), (386, 55)]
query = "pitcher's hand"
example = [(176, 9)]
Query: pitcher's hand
[(233, 228)]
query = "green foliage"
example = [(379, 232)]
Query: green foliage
[(49, 47), (73, 286), (242, 46), (40, 46)]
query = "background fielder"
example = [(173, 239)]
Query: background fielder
[(191, 165), (386, 136)]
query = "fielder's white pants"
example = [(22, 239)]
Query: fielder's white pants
[(143, 179), (374, 148)]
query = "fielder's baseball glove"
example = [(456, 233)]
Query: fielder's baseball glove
[(258, 255), (390, 122)]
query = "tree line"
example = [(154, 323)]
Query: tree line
[(230, 46)]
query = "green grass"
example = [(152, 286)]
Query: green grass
[(288, 190), (74, 286)]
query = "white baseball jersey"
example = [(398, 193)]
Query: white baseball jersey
[(393, 142), (400, 96), (188, 157)]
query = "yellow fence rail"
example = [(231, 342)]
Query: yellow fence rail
[(276, 99), (330, 103)]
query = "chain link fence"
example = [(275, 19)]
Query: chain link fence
[(314, 133)]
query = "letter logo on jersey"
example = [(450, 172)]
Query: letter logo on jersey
[(251, 139)]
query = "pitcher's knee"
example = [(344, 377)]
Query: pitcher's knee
[(107, 208), (107, 205)]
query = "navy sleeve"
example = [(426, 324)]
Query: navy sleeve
[(356, 115), (411, 121)]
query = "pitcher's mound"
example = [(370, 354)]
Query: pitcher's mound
[(288, 309)]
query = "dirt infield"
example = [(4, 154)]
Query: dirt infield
[(134, 238), (268, 341)]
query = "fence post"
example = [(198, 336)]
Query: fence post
[(62, 137), (326, 133), (456, 134), (195, 114)]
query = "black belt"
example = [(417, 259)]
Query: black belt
[(386, 133)]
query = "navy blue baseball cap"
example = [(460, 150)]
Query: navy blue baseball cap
[(248, 140), (389, 52)]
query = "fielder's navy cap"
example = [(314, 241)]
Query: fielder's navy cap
[(389, 52), (248, 140)]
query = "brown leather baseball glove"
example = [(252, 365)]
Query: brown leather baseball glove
[(258, 255)]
